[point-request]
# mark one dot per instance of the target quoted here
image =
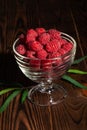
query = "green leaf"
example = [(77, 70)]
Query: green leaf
[(79, 60), (75, 71), (9, 99), (73, 81), (24, 95), (7, 90)]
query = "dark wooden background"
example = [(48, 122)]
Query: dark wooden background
[(16, 16)]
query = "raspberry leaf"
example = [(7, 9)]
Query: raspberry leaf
[(24, 95), (79, 60), (75, 71), (73, 81), (9, 99), (7, 90)]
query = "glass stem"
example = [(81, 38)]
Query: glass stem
[(46, 87)]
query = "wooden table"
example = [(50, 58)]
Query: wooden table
[(16, 16)]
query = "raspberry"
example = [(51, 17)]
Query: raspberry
[(35, 46), (32, 32), (53, 46), (54, 34), (68, 46), (42, 54), (62, 51), (40, 31), (35, 64), (44, 38), (55, 55), (22, 38), (63, 41), (21, 49), (46, 64), (29, 38), (31, 35), (30, 54), (57, 61)]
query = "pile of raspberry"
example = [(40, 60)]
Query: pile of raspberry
[(43, 44)]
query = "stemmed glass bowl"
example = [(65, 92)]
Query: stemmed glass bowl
[(45, 73)]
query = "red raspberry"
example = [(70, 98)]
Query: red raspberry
[(29, 38), (68, 46), (44, 38), (35, 46), (55, 55), (62, 51), (46, 65), (35, 64), (40, 31), (30, 54), (22, 38), (21, 49), (53, 46), (54, 34), (42, 54), (32, 32), (63, 41), (31, 35), (57, 61)]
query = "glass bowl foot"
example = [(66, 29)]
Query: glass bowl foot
[(45, 96)]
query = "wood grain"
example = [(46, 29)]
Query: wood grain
[(69, 16)]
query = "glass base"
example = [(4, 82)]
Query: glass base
[(45, 96)]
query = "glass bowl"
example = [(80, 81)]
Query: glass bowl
[(45, 72)]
